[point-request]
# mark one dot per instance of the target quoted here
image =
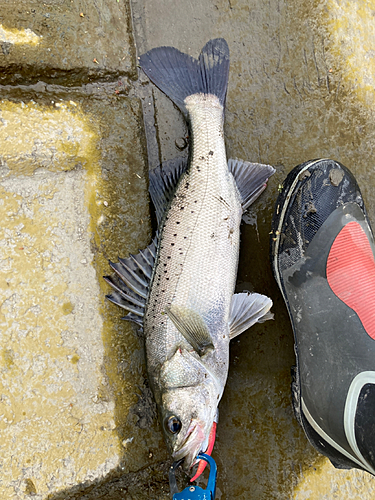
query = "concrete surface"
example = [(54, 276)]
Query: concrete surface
[(73, 193), (64, 40), (76, 416)]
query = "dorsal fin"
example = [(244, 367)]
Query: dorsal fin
[(131, 282), (251, 179), (163, 183)]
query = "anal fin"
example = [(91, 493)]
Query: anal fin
[(246, 310), (251, 179)]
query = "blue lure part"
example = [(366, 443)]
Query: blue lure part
[(195, 492)]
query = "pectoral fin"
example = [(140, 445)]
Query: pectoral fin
[(247, 309), (191, 325)]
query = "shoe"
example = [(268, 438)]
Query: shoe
[(322, 253)]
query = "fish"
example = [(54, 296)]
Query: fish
[(180, 289)]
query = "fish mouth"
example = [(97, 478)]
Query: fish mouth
[(194, 442)]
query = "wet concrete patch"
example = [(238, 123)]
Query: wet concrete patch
[(64, 41), (290, 99), (148, 483)]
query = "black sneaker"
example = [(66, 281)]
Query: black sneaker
[(322, 252)]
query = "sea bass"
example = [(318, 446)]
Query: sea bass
[(180, 289)]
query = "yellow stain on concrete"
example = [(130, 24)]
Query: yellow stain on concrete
[(19, 37), (67, 307), (323, 481), (119, 207), (56, 413), (56, 137), (352, 42)]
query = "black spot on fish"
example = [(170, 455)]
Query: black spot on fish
[(175, 234), (187, 185), (181, 208), (177, 221), (168, 257), (211, 153), (172, 244)]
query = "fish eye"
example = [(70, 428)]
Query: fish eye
[(173, 424)]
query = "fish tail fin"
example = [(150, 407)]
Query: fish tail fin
[(179, 75)]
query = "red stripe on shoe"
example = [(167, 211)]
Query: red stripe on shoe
[(351, 273)]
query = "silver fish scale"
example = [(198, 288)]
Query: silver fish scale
[(198, 249)]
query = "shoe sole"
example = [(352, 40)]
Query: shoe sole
[(339, 456)]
